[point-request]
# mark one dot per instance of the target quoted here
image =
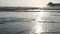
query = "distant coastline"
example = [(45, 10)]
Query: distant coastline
[(50, 6), (17, 8)]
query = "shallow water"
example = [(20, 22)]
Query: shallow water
[(43, 22)]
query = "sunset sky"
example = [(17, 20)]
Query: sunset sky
[(27, 3)]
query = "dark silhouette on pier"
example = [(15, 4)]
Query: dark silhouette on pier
[(51, 4)]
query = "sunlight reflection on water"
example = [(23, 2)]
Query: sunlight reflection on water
[(47, 26), (37, 21)]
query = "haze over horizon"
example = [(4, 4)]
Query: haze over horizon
[(26, 3)]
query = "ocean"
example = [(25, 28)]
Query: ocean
[(43, 22)]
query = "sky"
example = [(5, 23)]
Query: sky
[(27, 3)]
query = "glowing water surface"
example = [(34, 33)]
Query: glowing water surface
[(29, 22)]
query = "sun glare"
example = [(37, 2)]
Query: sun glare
[(38, 26), (40, 16)]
